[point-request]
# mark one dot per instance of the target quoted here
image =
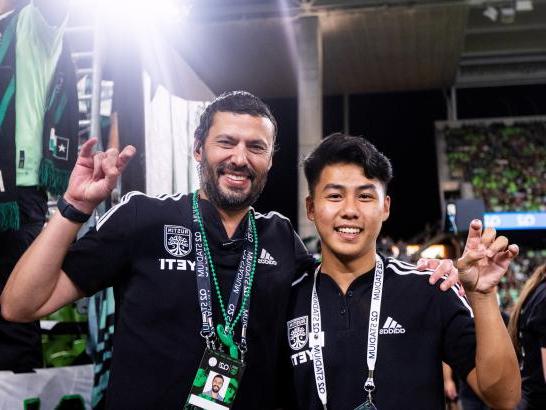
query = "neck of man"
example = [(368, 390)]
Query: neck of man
[(345, 270), (230, 218), (214, 395)]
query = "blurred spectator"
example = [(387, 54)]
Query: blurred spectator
[(528, 332), (512, 283)]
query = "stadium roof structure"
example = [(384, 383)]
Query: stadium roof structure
[(368, 45)]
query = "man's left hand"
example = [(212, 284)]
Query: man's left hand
[(485, 259)]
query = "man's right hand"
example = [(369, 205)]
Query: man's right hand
[(95, 175)]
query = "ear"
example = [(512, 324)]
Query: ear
[(386, 208), (197, 150), (310, 206)]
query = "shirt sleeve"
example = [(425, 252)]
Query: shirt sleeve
[(459, 334), (101, 257)]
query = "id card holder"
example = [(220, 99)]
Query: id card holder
[(216, 382), (367, 405)]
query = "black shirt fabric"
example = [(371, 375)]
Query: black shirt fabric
[(532, 338), (420, 326), (20, 343), (32, 201), (157, 347)]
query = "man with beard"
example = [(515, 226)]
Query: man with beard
[(190, 272), (216, 386)]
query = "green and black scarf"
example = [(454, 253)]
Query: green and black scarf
[(59, 153)]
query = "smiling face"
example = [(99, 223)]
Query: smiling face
[(348, 210), (235, 159), (217, 383)]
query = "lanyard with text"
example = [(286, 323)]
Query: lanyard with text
[(241, 285), (316, 338)]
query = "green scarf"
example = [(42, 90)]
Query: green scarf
[(60, 130), (9, 211)]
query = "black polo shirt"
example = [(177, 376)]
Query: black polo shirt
[(157, 347), (421, 326), (532, 338)]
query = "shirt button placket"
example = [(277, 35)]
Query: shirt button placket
[(344, 310)]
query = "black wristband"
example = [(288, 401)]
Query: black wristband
[(71, 213)]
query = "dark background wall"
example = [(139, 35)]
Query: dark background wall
[(281, 190), (502, 101), (401, 125)]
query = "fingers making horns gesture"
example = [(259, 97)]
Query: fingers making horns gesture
[(95, 175), (485, 258)]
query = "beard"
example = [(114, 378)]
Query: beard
[(215, 389), (230, 199)]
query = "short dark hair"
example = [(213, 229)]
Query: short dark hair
[(218, 376), (340, 148), (239, 102)]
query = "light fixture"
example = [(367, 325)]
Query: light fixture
[(491, 13), (505, 11), (145, 11), (507, 15), (524, 5)]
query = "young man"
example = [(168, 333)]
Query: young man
[(368, 330), (180, 264)]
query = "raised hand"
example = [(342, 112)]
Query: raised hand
[(485, 259), (95, 175)]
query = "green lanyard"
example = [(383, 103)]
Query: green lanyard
[(225, 332)]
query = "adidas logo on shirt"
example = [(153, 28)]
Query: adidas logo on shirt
[(266, 259), (391, 326)]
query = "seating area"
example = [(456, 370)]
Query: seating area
[(506, 165)]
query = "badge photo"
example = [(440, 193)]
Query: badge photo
[(177, 240), (216, 382), (298, 332)]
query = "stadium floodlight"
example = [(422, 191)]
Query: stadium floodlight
[(524, 5), (507, 15), (491, 13), (146, 11)]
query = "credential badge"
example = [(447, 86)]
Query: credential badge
[(177, 240), (298, 332)]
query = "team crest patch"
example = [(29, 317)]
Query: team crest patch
[(298, 332), (58, 145), (177, 240)]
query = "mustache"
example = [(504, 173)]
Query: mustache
[(226, 168)]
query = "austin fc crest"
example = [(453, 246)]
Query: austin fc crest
[(298, 332), (177, 240)]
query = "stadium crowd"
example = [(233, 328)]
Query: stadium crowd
[(506, 166)]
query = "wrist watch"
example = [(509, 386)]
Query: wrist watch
[(70, 212)]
